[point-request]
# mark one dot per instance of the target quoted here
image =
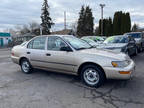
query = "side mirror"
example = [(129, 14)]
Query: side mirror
[(68, 49)]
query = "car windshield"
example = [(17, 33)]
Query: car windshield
[(117, 39), (76, 43), (135, 35)]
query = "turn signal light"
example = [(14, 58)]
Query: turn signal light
[(125, 72), (114, 64)]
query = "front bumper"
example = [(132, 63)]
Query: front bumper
[(114, 73)]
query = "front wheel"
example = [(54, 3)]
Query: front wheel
[(92, 76), (25, 66)]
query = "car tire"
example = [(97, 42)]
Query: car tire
[(26, 66), (92, 76)]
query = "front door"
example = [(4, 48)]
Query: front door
[(58, 59)]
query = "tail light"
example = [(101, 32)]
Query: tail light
[(12, 54)]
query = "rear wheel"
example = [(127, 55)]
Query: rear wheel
[(92, 76), (26, 66)]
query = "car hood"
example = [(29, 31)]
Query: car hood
[(106, 53), (112, 46)]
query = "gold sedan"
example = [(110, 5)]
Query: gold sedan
[(70, 55)]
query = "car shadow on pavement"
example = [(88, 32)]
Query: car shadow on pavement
[(72, 79)]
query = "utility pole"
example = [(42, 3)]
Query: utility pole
[(102, 6), (41, 28), (65, 20)]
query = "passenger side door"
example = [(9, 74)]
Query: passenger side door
[(57, 58), (36, 51)]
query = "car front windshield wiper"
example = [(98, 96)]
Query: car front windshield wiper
[(92, 47), (82, 48), (86, 48)]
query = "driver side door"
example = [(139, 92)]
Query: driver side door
[(56, 58)]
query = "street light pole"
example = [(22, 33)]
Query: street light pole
[(64, 20), (41, 30), (102, 6)]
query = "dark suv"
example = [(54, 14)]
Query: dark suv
[(139, 38)]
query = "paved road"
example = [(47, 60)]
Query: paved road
[(44, 89)]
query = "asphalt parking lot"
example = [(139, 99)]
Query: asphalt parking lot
[(44, 89)]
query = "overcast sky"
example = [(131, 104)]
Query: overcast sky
[(19, 12)]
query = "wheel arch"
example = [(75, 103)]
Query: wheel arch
[(22, 59), (90, 63)]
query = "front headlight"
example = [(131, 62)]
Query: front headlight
[(120, 63)]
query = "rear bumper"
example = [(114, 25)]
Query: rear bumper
[(114, 73), (15, 59)]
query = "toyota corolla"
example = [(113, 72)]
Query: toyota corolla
[(70, 55)]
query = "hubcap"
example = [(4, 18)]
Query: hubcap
[(25, 66), (91, 76)]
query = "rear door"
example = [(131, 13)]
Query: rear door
[(36, 51)]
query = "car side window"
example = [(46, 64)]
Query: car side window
[(55, 43), (30, 45), (37, 43)]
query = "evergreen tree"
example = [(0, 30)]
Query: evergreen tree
[(107, 27), (88, 22), (85, 22), (121, 23), (45, 17), (128, 24), (135, 28), (81, 20), (115, 24)]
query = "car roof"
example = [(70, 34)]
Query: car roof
[(133, 32), (120, 36), (53, 35)]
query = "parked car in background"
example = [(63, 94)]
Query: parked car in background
[(97, 39), (104, 37), (68, 54), (90, 41), (139, 38), (120, 43)]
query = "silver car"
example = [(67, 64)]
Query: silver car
[(70, 55), (139, 38)]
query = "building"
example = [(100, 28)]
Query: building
[(5, 38), (22, 38)]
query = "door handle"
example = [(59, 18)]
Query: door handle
[(48, 54), (28, 52)]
